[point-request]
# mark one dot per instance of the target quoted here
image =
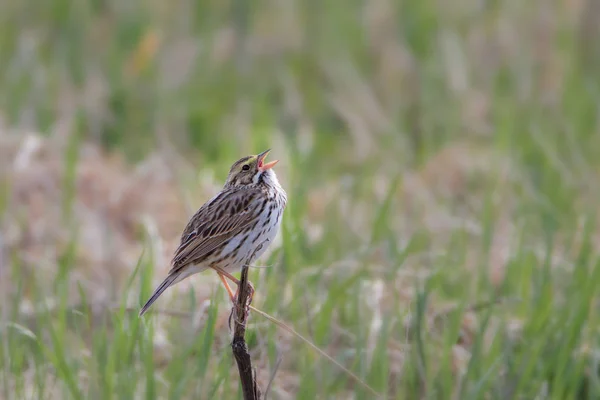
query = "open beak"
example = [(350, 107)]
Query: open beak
[(261, 161)]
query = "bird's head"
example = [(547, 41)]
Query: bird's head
[(251, 170)]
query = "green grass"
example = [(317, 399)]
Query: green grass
[(436, 157)]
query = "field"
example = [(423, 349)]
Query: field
[(441, 160)]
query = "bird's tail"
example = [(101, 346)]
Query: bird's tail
[(171, 279)]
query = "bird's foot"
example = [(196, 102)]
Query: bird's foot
[(234, 300), (250, 295)]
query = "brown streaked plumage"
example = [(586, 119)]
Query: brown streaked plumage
[(233, 228)]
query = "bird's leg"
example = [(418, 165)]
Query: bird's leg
[(231, 295), (223, 274), (229, 291), (228, 275)]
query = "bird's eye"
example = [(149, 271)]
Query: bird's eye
[(245, 167)]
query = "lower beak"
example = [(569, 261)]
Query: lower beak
[(261, 158)]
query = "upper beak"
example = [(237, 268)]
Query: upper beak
[(261, 158)]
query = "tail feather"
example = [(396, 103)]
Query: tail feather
[(170, 280)]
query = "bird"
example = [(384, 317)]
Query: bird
[(233, 228)]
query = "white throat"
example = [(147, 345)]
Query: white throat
[(268, 177)]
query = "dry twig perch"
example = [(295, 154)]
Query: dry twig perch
[(240, 313)]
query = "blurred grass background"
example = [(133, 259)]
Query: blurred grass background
[(437, 156)]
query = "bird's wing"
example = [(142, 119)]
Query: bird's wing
[(216, 222)]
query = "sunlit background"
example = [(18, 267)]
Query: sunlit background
[(442, 164)]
